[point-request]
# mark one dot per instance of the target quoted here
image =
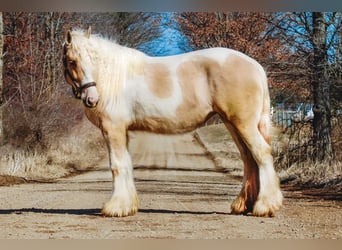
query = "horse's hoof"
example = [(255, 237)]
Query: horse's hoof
[(120, 207), (265, 207), (239, 206)]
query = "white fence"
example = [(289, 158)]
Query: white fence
[(285, 118)]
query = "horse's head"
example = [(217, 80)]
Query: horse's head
[(78, 68)]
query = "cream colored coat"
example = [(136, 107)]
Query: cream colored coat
[(175, 94)]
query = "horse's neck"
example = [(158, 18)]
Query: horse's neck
[(134, 61), (115, 68)]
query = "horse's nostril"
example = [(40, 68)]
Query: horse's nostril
[(88, 102)]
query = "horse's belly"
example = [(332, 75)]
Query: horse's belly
[(183, 122)]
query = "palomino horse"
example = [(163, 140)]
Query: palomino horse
[(124, 89)]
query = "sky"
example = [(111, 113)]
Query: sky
[(171, 42)]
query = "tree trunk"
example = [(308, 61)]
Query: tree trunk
[(50, 60), (323, 150), (1, 82)]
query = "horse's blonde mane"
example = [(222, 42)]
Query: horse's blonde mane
[(113, 64)]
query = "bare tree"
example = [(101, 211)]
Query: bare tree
[(131, 29), (320, 89), (315, 39), (1, 101)]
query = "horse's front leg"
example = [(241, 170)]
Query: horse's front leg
[(124, 200)]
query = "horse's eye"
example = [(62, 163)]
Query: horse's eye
[(72, 63)]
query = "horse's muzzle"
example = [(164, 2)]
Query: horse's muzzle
[(89, 94), (89, 102)]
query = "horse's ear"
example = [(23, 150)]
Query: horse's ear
[(68, 37), (88, 32)]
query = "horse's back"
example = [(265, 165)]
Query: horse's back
[(218, 54), (221, 66)]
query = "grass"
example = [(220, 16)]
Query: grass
[(293, 154), (61, 155)]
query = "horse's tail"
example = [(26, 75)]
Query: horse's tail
[(265, 125)]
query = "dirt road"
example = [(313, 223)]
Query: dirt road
[(182, 195)]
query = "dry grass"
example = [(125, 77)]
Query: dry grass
[(293, 154), (316, 175), (49, 141), (61, 155)]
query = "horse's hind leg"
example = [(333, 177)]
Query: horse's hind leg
[(245, 201), (124, 200), (260, 193)]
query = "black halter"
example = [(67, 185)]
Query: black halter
[(77, 90)]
